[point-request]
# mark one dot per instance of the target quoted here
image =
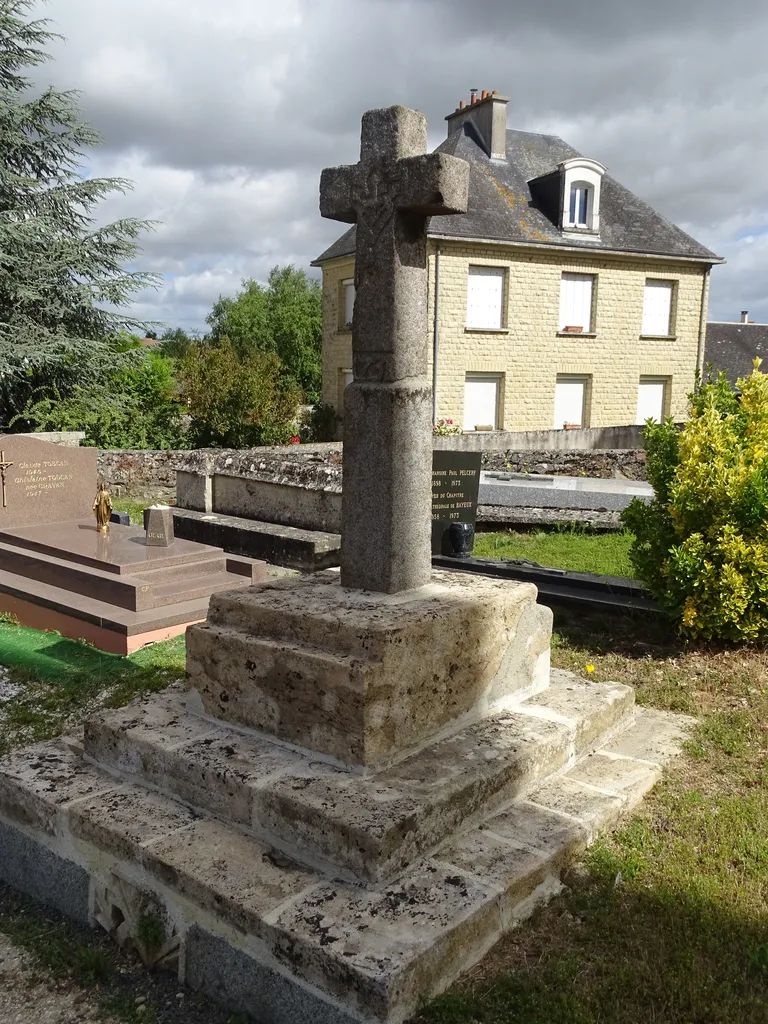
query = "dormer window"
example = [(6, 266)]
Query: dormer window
[(580, 203), (580, 182)]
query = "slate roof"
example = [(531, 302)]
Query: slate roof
[(501, 207), (733, 346)]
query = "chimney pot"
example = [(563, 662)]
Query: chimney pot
[(489, 121), (745, 316)]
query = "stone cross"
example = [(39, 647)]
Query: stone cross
[(386, 499)]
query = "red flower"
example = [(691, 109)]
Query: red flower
[(295, 439)]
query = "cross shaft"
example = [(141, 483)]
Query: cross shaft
[(389, 194)]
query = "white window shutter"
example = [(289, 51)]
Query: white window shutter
[(576, 301), (485, 297), (650, 400), (569, 402), (657, 307), (349, 301), (481, 402)]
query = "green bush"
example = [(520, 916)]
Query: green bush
[(236, 401), (132, 406), (701, 546), (320, 423)]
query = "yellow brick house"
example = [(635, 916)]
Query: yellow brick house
[(559, 298)]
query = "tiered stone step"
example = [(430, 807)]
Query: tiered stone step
[(370, 827), (186, 577), (259, 930)]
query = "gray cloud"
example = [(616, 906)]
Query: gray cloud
[(225, 113)]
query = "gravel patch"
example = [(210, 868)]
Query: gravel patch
[(31, 996)]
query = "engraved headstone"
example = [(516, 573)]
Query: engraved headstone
[(158, 524), (455, 488), (389, 194), (42, 482)]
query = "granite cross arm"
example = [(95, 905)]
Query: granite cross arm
[(389, 194)]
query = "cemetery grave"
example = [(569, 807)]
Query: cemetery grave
[(368, 777), (118, 589)]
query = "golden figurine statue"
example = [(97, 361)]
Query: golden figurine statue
[(102, 507)]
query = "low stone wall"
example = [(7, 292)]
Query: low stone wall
[(627, 465), (151, 475), (67, 438), (582, 439), (144, 475)]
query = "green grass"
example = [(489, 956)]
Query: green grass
[(135, 509), (606, 553), (667, 920), (63, 681)]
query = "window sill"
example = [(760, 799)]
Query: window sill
[(486, 330), (658, 337), (576, 334)]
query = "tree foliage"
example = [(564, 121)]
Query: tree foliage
[(236, 401), (63, 282), (701, 545), (284, 318), (130, 406)]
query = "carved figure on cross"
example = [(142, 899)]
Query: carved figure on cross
[(389, 194), (3, 467)]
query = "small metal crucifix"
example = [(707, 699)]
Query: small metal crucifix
[(3, 466)]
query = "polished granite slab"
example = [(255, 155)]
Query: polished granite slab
[(122, 550), (112, 589)]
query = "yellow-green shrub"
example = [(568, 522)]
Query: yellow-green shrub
[(701, 546)]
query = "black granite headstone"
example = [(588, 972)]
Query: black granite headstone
[(455, 486)]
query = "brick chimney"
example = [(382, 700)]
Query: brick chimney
[(488, 114)]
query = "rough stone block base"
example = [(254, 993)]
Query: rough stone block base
[(365, 677), (264, 927)]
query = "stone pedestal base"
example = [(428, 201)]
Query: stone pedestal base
[(254, 858), (364, 677), (298, 889)]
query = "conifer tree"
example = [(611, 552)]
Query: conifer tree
[(63, 278)]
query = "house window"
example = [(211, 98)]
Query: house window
[(571, 401), (347, 302), (652, 395), (576, 292), (580, 203), (481, 400), (485, 298), (657, 308)]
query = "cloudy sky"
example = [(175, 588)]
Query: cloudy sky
[(224, 112)]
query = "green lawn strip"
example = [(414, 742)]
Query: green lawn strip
[(63, 681), (667, 921), (135, 509), (606, 553)]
